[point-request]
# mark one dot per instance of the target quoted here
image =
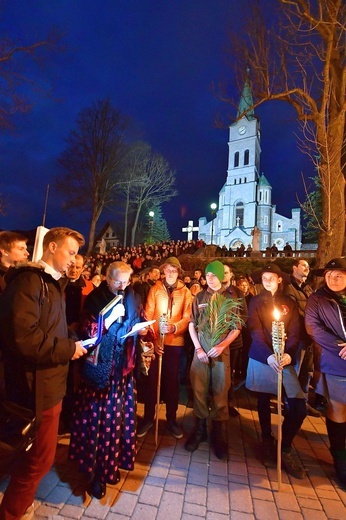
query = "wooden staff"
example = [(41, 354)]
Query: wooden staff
[(278, 341), (162, 323)]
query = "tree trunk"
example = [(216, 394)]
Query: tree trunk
[(134, 227), (126, 218)]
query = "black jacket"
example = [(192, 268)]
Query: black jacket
[(33, 335)]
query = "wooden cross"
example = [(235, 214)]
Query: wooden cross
[(190, 229)]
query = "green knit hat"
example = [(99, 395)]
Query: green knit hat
[(216, 268)]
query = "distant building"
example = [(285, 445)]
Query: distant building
[(106, 238), (245, 200)]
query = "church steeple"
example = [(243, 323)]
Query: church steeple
[(246, 99)]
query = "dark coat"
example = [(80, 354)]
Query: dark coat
[(325, 323), (30, 343), (114, 352), (260, 320)]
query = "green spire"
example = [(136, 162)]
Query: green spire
[(263, 181), (246, 100)]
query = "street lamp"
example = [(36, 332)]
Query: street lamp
[(213, 207), (151, 224)]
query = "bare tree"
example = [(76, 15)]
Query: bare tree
[(154, 185), (92, 160), (133, 174), (19, 64), (300, 60)]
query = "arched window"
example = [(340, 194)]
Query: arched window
[(246, 157), (239, 214), (236, 159), (279, 226)]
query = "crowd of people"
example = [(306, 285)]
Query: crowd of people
[(106, 325)]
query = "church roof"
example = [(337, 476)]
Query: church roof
[(246, 99), (263, 181)]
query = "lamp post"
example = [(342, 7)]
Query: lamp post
[(151, 224), (213, 207)]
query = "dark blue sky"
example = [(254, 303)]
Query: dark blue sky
[(156, 60)]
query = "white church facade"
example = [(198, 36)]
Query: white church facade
[(245, 200)]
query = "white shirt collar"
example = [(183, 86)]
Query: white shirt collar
[(50, 270)]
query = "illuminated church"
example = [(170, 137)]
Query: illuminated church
[(245, 200)]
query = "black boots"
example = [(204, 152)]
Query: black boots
[(339, 457), (199, 435), (218, 440)]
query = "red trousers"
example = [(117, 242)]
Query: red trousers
[(33, 466)]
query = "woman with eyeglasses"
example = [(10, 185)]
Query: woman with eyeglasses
[(103, 435)]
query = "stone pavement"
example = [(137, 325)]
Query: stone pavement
[(169, 483)]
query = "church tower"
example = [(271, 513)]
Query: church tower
[(237, 215), (245, 200)]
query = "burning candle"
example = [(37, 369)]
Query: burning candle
[(278, 335)]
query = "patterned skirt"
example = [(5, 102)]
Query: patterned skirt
[(103, 436)]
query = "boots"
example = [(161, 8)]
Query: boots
[(218, 441), (339, 457), (199, 435)]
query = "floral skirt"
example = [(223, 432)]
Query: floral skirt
[(103, 436)]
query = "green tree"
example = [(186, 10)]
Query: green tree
[(312, 208), (156, 229), (298, 56)]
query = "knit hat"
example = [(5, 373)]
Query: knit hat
[(216, 268), (337, 264), (173, 261)]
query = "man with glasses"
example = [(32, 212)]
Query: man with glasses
[(169, 297)]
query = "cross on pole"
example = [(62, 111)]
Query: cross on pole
[(190, 229)]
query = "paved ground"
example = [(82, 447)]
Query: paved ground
[(170, 484)]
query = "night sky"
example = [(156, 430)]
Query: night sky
[(156, 60)]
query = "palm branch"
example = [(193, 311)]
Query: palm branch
[(220, 315)]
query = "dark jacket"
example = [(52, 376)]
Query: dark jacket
[(260, 320), (325, 323), (114, 352), (31, 343), (300, 294)]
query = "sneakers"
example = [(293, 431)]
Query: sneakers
[(292, 466), (143, 427), (175, 430)]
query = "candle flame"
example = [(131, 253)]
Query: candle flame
[(277, 314)]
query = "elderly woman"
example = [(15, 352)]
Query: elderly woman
[(103, 435), (325, 320), (263, 367)]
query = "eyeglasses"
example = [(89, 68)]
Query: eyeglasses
[(118, 283), (171, 271)]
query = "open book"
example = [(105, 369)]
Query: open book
[(136, 328), (91, 342)]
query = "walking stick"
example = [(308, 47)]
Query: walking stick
[(278, 341), (162, 323)]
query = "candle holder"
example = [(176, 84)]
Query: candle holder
[(278, 343)]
